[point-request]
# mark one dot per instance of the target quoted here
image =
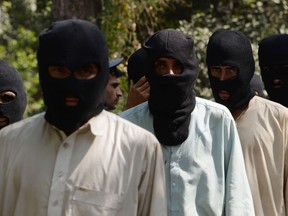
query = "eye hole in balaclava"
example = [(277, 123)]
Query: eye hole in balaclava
[(164, 66), (72, 44), (276, 83), (224, 72), (273, 63), (7, 96), (278, 76), (82, 73), (172, 97), (233, 49), (13, 99)]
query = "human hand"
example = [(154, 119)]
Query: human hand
[(138, 92)]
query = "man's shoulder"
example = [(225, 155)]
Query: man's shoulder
[(129, 131), (112, 120), (139, 109), (25, 129), (139, 115), (209, 103), (211, 107), (204, 106), (263, 103), (24, 124), (267, 102)]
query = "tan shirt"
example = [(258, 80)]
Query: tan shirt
[(263, 131), (108, 167)]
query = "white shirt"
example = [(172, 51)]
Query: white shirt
[(263, 131), (107, 167)]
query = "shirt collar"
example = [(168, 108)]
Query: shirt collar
[(97, 123)]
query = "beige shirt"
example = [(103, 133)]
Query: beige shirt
[(107, 167), (263, 131)]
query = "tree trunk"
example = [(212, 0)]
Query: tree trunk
[(81, 9)]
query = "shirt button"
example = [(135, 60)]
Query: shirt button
[(55, 203), (60, 174), (65, 145), (173, 184)]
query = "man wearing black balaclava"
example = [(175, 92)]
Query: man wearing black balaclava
[(233, 90), (71, 101), (76, 158), (200, 144), (139, 88), (12, 95), (273, 62), (262, 124)]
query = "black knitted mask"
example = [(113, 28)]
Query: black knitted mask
[(137, 65), (272, 57), (172, 97), (10, 80), (231, 48), (257, 85), (74, 44)]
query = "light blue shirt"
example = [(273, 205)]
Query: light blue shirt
[(205, 175)]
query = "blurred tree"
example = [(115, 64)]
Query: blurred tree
[(257, 19), (84, 9), (20, 21), (126, 24)]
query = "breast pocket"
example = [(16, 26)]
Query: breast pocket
[(88, 202)]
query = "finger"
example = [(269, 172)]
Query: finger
[(146, 91), (144, 86), (131, 84), (141, 81)]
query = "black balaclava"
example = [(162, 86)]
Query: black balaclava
[(272, 53), (10, 80), (257, 85), (226, 47), (137, 66), (172, 97), (72, 43)]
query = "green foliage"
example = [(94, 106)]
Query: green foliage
[(126, 24), (25, 61), (18, 42)]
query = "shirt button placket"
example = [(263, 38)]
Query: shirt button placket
[(57, 189), (174, 170)]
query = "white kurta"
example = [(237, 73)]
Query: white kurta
[(263, 131), (205, 175), (107, 167)]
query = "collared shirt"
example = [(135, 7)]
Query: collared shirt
[(205, 175), (107, 167), (263, 131)]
